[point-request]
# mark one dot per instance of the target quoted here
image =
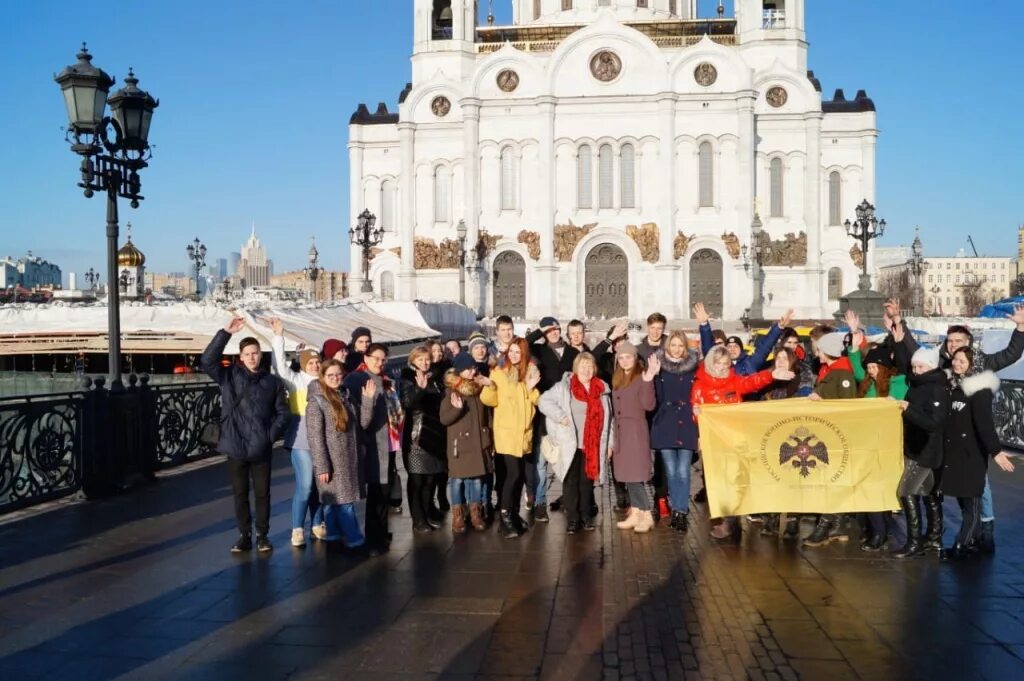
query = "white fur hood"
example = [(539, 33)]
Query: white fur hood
[(986, 380)]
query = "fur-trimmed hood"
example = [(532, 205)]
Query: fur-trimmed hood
[(974, 384), (684, 365), (458, 384)]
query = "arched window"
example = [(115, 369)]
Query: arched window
[(442, 188), (835, 207), (387, 286), (776, 188), (388, 195), (584, 178), (706, 163), (835, 283), (641, 3), (604, 3), (508, 179), (606, 182), (536, 9), (672, 7), (566, 5), (627, 180)]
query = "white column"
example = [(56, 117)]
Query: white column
[(475, 288), (746, 161), (407, 211), (812, 210), (355, 199), (867, 150), (666, 217), (546, 157)]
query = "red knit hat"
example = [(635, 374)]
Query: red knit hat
[(332, 346)]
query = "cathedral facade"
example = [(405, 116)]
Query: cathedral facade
[(610, 158)]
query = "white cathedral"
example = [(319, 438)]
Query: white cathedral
[(611, 158)]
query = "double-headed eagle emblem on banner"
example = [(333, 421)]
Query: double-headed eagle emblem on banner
[(804, 450)]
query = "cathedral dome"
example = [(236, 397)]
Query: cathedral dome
[(129, 256)]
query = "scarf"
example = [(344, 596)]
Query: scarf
[(393, 404), (594, 423)]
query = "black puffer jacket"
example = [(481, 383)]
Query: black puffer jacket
[(423, 437), (254, 412), (925, 418)]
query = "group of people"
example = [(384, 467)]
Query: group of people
[(481, 426)]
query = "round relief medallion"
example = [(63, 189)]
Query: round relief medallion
[(606, 66), (705, 74), (777, 96), (508, 80), (440, 106)]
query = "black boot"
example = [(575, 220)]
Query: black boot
[(821, 535), (958, 552), (792, 530), (874, 544), (933, 511), (914, 546), (771, 525), (680, 522), (987, 541), (508, 528)]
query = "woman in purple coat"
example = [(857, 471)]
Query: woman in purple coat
[(632, 398)]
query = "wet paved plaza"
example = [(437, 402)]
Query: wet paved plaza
[(142, 586)]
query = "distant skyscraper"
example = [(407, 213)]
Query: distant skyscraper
[(254, 268), (233, 263), (222, 267)]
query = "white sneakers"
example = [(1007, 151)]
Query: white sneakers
[(638, 521), (298, 537), (320, 531)]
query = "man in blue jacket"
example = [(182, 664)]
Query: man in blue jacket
[(744, 364), (254, 414)]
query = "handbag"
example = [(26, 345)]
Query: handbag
[(209, 436), (550, 450)]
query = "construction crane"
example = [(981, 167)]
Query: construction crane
[(973, 248)]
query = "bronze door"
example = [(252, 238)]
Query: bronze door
[(607, 283), (510, 285), (706, 281)]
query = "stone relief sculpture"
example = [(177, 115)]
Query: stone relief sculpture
[(485, 244), (681, 244), (606, 66), (857, 255), (567, 237), (428, 255), (374, 252), (532, 242), (646, 238), (732, 244), (789, 251)]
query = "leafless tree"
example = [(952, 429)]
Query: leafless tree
[(974, 295), (897, 284)]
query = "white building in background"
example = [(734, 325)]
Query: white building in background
[(29, 272), (254, 268), (607, 158)]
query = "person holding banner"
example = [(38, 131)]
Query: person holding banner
[(970, 440), (632, 397), (925, 412), (718, 382)]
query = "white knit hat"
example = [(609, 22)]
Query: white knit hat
[(832, 344), (928, 357)]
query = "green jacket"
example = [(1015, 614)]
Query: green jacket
[(897, 386)]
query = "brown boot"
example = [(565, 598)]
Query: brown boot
[(476, 517), (458, 519)]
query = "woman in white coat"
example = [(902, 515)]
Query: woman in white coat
[(578, 413)]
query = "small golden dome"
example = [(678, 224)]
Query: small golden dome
[(129, 256)]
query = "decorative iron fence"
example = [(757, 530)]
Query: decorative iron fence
[(98, 441), (1008, 413)]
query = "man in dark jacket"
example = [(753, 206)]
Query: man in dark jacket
[(254, 414), (745, 365), (655, 338), (554, 358)]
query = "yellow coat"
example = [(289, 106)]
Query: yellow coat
[(514, 406)]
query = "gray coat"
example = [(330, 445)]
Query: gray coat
[(333, 451), (555, 405), (373, 438)]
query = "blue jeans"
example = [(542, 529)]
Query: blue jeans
[(677, 472), (466, 491), (342, 521), (305, 497), (988, 512)]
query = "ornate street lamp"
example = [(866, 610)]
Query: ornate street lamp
[(124, 280), (113, 149), (917, 267), (313, 270), (755, 257), (460, 232), (197, 254), (93, 278), (865, 228), (936, 302), (366, 236)]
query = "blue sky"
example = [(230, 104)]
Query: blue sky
[(255, 98)]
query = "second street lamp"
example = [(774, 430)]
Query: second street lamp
[(460, 231), (113, 149), (366, 236), (313, 270), (197, 254), (865, 228), (92, 277)]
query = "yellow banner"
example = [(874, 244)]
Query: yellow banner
[(799, 456)]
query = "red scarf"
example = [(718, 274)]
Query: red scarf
[(594, 425)]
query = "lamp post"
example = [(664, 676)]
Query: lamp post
[(917, 267), (124, 280), (366, 236), (313, 270), (936, 301), (755, 257), (113, 149), (460, 231), (865, 228), (197, 254), (92, 277)]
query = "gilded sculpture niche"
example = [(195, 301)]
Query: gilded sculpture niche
[(790, 251), (857, 256), (532, 242), (732, 245), (428, 255), (681, 244), (646, 238), (567, 237)]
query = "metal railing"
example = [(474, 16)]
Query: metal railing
[(98, 441), (1008, 413)]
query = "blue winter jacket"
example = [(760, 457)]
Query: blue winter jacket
[(672, 426), (746, 365)]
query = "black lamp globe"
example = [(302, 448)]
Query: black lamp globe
[(85, 89), (132, 110)]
